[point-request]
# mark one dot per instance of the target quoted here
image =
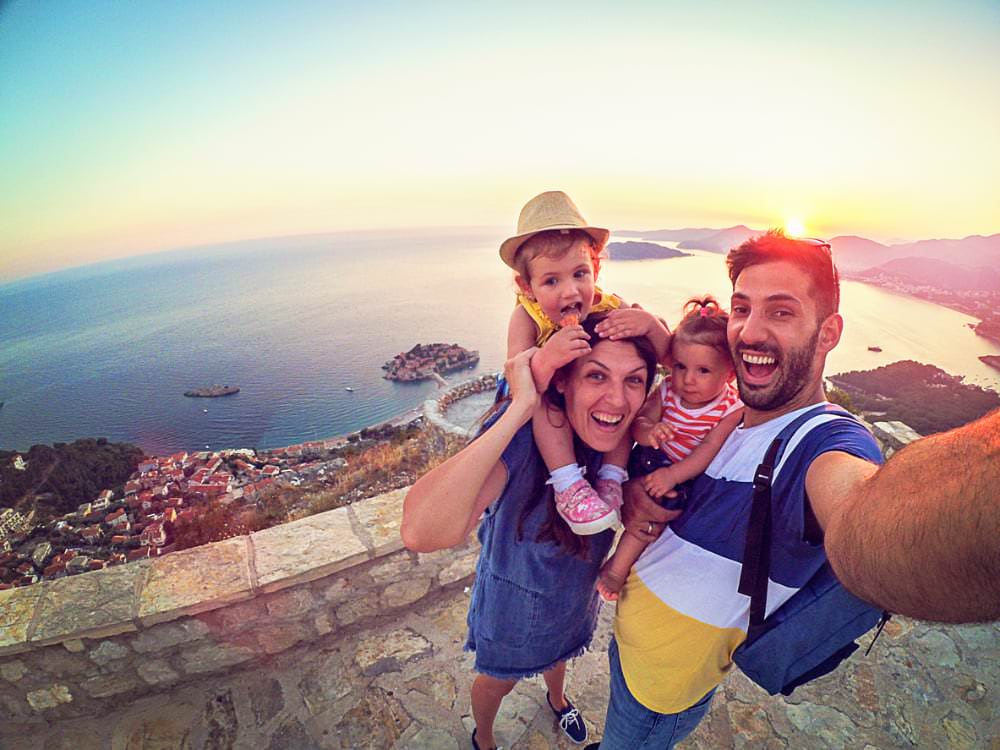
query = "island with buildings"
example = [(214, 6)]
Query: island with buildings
[(425, 361)]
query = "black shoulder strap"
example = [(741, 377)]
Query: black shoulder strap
[(757, 548), (757, 551)]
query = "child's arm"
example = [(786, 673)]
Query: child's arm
[(647, 419), (664, 479), (563, 347), (626, 322)]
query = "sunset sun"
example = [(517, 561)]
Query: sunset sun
[(795, 227)]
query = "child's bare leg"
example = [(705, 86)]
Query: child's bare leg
[(554, 438), (576, 500), (615, 569)]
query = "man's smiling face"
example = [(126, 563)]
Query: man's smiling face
[(778, 345)]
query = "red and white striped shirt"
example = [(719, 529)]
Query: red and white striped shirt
[(691, 426)]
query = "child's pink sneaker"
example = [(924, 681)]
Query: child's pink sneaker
[(610, 492), (583, 509)]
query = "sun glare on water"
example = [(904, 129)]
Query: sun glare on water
[(795, 228)]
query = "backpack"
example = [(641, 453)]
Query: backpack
[(814, 631)]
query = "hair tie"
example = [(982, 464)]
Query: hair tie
[(705, 311)]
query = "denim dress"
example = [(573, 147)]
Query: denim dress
[(533, 604)]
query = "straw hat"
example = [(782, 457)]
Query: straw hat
[(550, 210)]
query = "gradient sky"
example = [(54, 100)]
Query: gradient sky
[(132, 127)]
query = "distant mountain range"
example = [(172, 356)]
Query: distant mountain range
[(959, 264), (936, 273)]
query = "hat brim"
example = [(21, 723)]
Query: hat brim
[(511, 245)]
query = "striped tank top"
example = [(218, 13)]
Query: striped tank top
[(691, 426)]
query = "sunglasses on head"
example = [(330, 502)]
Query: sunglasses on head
[(813, 242)]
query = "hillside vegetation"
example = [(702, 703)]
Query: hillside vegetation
[(64, 475), (923, 396)]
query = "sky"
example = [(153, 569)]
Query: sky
[(128, 128)]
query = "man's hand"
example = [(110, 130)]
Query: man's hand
[(626, 322), (642, 517)]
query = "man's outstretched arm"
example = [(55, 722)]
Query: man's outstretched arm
[(919, 536)]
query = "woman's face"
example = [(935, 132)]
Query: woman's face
[(604, 391)]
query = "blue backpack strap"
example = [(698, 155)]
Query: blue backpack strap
[(757, 548)]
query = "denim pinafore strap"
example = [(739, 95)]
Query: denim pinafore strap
[(533, 605)]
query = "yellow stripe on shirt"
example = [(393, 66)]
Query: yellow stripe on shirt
[(669, 660)]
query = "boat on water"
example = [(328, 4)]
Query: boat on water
[(212, 391), (349, 389)]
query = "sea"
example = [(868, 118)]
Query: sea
[(303, 325)]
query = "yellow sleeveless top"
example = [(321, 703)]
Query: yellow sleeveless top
[(602, 303)]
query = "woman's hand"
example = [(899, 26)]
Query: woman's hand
[(642, 517), (524, 394)]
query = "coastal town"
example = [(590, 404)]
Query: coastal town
[(979, 303), (163, 496), (426, 361)]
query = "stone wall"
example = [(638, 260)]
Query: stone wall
[(82, 645), (435, 409)]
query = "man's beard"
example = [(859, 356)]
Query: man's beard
[(794, 370)]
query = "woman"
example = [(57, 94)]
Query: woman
[(534, 605)]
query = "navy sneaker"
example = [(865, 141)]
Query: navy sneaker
[(570, 721)]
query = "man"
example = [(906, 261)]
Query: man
[(918, 536)]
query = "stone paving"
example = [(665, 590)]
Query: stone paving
[(404, 683)]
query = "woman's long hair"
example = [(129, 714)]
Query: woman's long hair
[(554, 528)]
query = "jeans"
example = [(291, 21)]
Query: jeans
[(629, 725)]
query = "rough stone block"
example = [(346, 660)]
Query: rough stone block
[(325, 683), (392, 568), (91, 605), (324, 623), (104, 686), (357, 609), (170, 634), (156, 672), (306, 549), (74, 646), (16, 609), (195, 580), (339, 590), (273, 639), (390, 652), (235, 617), (266, 700), (460, 568), (290, 603), (405, 592), (210, 658), (377, 720), (380, 518), (50, 697), (12, 671), (108, 651), (59, 662), (291, 733)]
